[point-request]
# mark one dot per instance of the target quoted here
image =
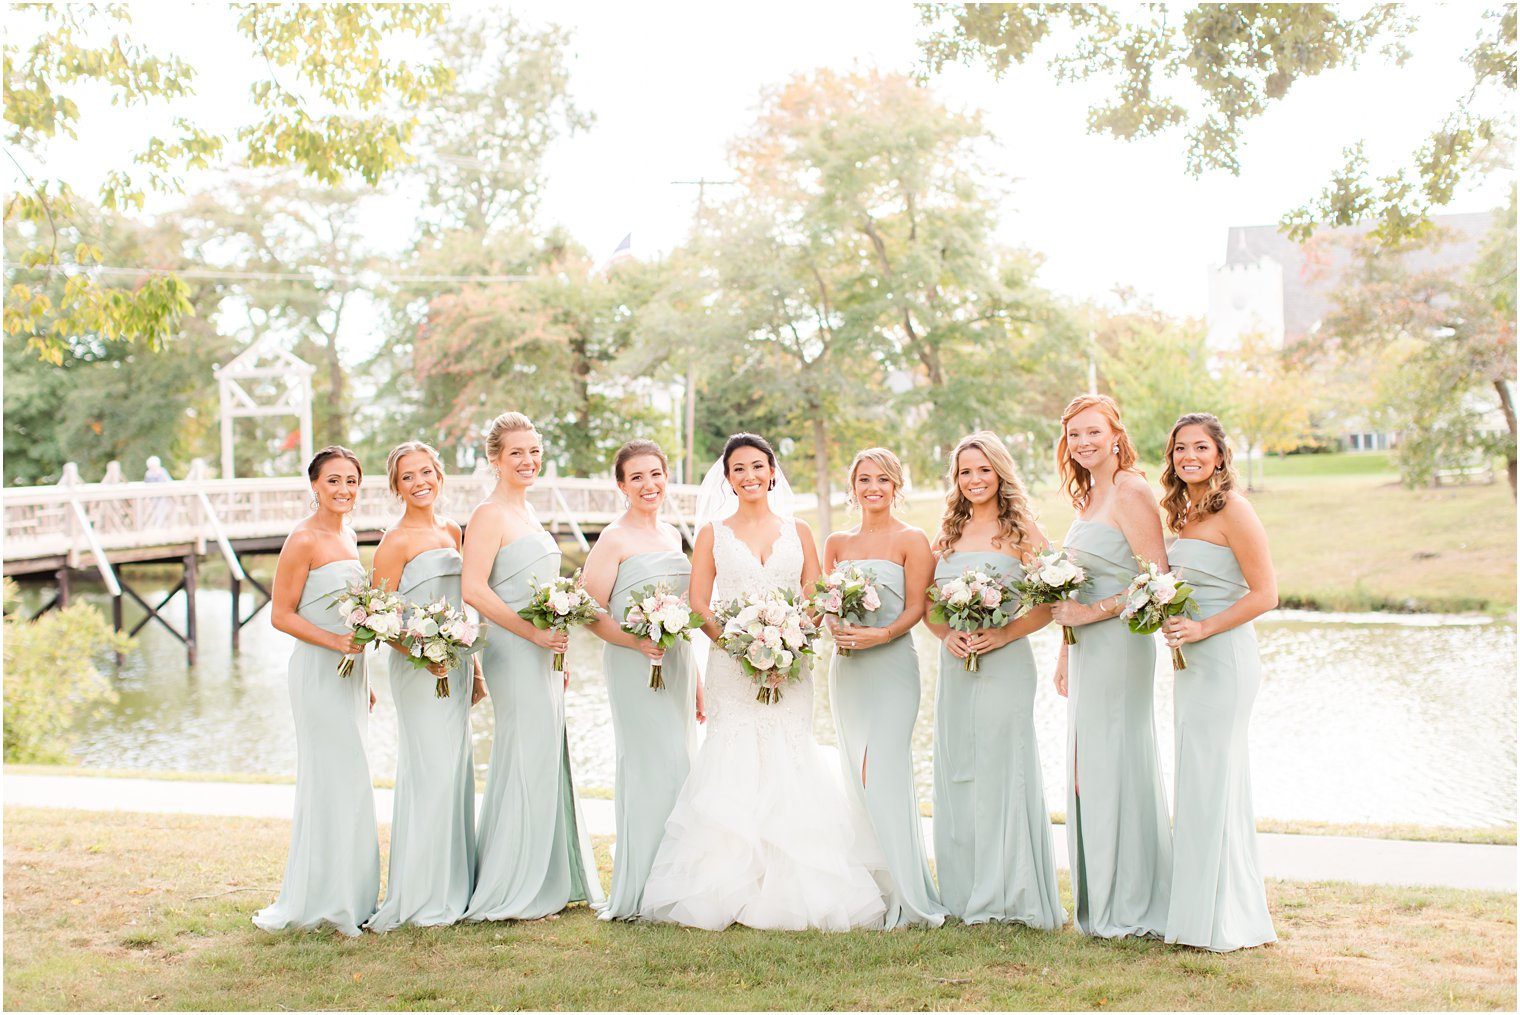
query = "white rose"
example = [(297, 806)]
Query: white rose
[(436, 651), (784, 660)]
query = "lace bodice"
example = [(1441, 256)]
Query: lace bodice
[(740, 573)]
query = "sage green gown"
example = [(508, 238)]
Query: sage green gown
[(1218, 899), (533, 857), (332, 876), (874, 693), (992, 845), (654, 729), (1118, 837), (433, 824)]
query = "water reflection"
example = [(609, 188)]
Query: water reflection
[(1356, 721)]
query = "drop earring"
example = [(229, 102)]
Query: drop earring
[(313, 503), (772, 486), (1116, 449)]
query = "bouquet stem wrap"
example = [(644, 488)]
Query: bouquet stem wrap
[(656, 677)]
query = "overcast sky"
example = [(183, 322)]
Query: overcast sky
[(671, 83)]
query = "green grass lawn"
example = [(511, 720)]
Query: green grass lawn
[(1346, 536), (151, 912)]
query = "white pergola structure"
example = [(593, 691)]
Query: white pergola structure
[(264, 361)]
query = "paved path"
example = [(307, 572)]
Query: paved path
[(1290, 857)]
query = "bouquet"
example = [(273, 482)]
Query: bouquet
[(1049, 577), (559, 605), (657, 613), (440, 633), (771, 636), (847, 593), (977, 599), (1152, 596), (372, 614)]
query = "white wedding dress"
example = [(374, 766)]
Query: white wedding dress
[(763, 833)]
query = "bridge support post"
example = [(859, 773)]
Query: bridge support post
[(192, 567), (116, 621), (63, 587), (237, 613)]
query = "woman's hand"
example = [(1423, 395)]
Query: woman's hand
[(438, 669), (554, 641), (701, 713), (372, 699), (1060, 677), (987, 639), (1179, 630), (344, 643), (958, 643), (478, 691), (1070, 613), (852, 637), (653, 652)]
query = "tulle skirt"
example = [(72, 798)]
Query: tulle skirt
[(763, 833)]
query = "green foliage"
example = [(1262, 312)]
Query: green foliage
[(857, 258), (50, 675), (1448, 333), (110, 400), (1234, 61), (329, 108), (1158, 370)]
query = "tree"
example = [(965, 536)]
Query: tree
[(1269, 400), (112, 400), (1157, 369), (1452, 331), (333, 106), (1239, 59), (293, 253), (861, 248), (543, 346)]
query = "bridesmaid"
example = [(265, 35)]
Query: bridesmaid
[(991, 824), (1218, 899), (874, 691), (1118, 839), (433, 827), (533, 857), (333, 874), (654, 728)]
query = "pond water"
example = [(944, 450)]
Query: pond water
[(1373, 718)]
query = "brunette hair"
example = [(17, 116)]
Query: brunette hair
[(633, 449), (883, 459), (749, 440), (1175, 497), (327, 454), (498, 428), (1076, 479), (1016, 518), (400, 451)]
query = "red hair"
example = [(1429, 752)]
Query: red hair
[(1076, 479)]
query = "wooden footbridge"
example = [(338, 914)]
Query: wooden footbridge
[(78, 530)]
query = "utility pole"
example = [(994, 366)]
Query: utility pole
[(690, 467)]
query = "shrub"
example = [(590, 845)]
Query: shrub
[(50, 675)]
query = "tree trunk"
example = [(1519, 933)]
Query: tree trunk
[(821, 467), (1507, 403)]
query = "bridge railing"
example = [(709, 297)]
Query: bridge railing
[(42, 521)]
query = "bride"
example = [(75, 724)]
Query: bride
[(762, 833)]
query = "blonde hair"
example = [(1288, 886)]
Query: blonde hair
[(1016, 518), (1174, 499), (883, 459), (498, 428), (400, 451), (1074, 477)]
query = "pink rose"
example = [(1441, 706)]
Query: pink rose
[(871, 600), (356, 617), (991, 597)]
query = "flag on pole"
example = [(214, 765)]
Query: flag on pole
[(624, 251)]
